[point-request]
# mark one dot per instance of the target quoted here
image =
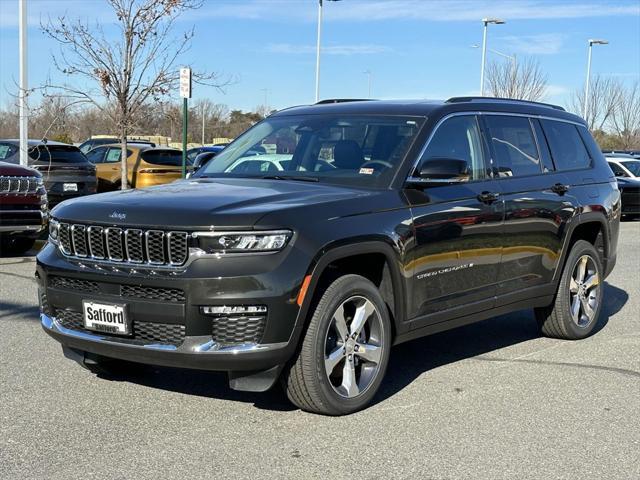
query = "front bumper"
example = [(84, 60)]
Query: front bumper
[(198, 352), (169, 326)]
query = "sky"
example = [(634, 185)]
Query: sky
[(413, 48)]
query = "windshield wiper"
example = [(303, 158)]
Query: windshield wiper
[(291, 177)]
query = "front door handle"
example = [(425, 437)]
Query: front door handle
[(560, 188), (488, 197)]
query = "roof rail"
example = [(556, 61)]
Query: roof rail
[(502, 100), (342, 100)]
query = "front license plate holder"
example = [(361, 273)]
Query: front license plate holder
[(105, 317)]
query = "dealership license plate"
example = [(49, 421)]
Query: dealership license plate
[(106, 317), (69, 187)]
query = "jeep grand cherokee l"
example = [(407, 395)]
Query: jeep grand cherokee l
[(23, 208), (388, 221)]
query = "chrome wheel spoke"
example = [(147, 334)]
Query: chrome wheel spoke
[(582, 269), (340, 323), (349, 381), (370, 353), (573, 285), (360, 318), (333, 359), (592, 281), (586, 308), (575, 308)]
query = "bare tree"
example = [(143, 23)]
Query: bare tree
[(604, 98), (626, 116), (523, 80), (120, 75)]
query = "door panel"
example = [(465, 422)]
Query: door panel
[(457, 250)]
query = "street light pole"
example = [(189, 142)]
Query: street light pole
[(203, 104), (368, 74), (24, 119), (318, 47), (486, 22), (585, 106)]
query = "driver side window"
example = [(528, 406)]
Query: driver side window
[(458, 138)]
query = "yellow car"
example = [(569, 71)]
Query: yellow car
[(147, 165)]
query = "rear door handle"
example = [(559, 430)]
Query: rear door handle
[(488, 197), (560, 188)]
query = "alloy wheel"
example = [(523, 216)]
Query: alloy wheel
[(584, 291), (353, 347)]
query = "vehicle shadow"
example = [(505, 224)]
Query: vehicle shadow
[(408, 361)]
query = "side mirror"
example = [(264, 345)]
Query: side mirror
[(442, 171)]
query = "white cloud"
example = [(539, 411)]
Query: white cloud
[(541, 44), (346, 50)]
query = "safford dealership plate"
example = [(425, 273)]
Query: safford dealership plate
[(106, 317)]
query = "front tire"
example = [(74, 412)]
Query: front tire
[(575, 311), (344, 352)]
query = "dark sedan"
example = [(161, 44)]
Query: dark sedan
[(65, 170)]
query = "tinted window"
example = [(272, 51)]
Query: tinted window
[(617, 170), (567, 148), (7, 150), (114, 155), (458, 138), (633, 167), (57, 153), (96, 155), (364, 150), (543, 147), (163, 157), (514, 146)]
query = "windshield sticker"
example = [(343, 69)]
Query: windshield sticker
[(366, 171)]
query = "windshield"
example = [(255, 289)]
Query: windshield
[(57, 153), (352, 150), (633, 167)]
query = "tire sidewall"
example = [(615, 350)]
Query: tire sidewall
[(580, 248), (339, 291)]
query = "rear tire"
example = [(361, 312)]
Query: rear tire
[(344, 352), (574, 313)]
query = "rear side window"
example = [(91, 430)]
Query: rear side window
[(458, 138), (7, 150), (163, 157), (514, 146), (567, 148), (57, 153)]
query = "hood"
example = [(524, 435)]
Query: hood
[(12, 170), (203, 203)]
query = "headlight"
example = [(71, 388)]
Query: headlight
[(238, 242), (54, 230)]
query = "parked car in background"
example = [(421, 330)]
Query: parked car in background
[(91, 143), (147, 165), (203, 158), (633, 153), (627, 172), (192, 153), (23, 208), (65, 170)]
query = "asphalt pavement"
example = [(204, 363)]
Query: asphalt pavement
[(492, 400)]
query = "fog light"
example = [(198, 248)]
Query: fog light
[(233, 309)]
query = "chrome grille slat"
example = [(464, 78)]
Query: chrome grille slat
[(95, 235), (154, 242), (79, 240), (133, 246), (113, 236), (18, 185)]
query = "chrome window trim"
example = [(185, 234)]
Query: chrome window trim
[(412, 179)]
